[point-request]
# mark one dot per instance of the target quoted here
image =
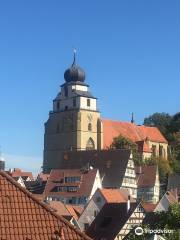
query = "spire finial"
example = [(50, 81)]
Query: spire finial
[(132, 117), (74, 52)]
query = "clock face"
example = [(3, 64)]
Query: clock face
[(89, 117)]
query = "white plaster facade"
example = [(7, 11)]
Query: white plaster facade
[(91, 210), (129, 180), (165, 202)]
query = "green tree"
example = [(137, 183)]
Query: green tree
[(170, 128), (162, 121), (175, 123), (121, 142), (163, 166), (169, 220), (162, 220)]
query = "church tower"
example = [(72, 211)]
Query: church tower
[(74, 123)]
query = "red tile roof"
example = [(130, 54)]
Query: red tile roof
[(66, 210), (16, 172), (74, 210), (146, 176), (134, 132), (60, 208), (57, 176), (171, 198), (149, 207), (114, 195), (43, 176), (22, 216)]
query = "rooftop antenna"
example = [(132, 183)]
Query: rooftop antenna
[(74, 54), (132, 117)]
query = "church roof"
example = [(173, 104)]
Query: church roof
[(22, 216), (134, 132)]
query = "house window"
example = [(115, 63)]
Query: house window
[(59, 189), (72, 179), (95, 213), (86, 226), (66, 108), (88, 103), (154, 150), (74, 102), (161, 151), (90, 127), (72, 189), (98, 199)]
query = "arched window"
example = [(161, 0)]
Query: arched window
[(89, 127), (90, 144)]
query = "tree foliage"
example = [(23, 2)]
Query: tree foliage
[(169, 220), (170, 128), (160, 120), (121, 142)]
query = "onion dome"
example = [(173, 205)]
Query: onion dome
[(74, 73)]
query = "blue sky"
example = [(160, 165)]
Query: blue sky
[(130, 51)]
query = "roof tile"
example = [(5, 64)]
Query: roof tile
[(134, 132), (19, 218)]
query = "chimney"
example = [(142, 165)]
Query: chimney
[(128, 204)]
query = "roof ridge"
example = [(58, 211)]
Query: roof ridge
[(44, 205), (118, 121)]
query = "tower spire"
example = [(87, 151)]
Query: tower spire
[(132, 117), (74, 54)]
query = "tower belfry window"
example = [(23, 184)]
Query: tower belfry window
[(66, 91), (74, 102), (89, 127), (58, 105), (88, 102)]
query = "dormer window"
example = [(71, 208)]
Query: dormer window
[(72, 188), (72, 179)]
